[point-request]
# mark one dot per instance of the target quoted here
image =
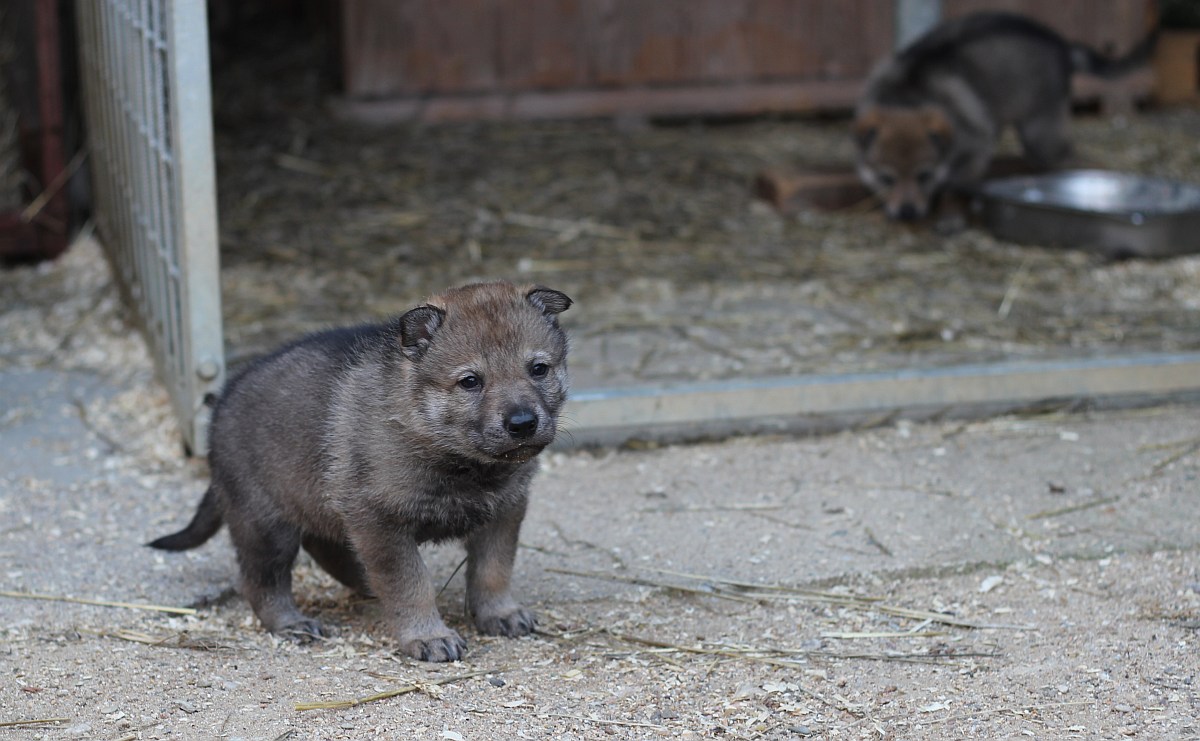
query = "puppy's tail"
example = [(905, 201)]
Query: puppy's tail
[(204, 525), (1086, 59)]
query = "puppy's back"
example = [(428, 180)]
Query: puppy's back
[(1010, 62), (269, 423)]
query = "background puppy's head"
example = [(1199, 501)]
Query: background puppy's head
[(903, 156), (488, 370)]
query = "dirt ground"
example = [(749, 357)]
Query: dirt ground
[(1021, 576)]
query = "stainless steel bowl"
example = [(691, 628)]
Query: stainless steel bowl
[(1114, 213)]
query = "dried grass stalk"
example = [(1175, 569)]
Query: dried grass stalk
[(403, 690), (32, 722), (98, 603)]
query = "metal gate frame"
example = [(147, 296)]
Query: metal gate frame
[(147, 100)]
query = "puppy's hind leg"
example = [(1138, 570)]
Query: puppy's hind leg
[(266, 550), (1044, 136), (339, 560)]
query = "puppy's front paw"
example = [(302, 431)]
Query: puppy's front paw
[(303, 630), (514, 623), (449, 647)]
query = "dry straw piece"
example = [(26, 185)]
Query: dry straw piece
[(34, 722), (765, 593), (402, 690), (98, 603)]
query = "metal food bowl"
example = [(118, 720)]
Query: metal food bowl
[(1113, 213)]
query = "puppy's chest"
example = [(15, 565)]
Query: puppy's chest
[(453, 508)]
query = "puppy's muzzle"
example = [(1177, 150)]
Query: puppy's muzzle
[(521, 423), (907, 212)]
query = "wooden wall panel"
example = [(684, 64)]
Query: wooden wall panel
[(542, 44), (456, 59), (407, 47), (410, 47)]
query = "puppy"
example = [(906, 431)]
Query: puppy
[(359, 444), (930, 115)]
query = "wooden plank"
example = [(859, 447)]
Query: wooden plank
[(495, 59), (818, 95), (1177, 67), (412, 47), (540, 45), (855, 35), (824, 189), (419, 46), (833, 186), (636, 43)]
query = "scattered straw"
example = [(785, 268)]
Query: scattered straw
[(37, 204), (645, 582), (1159, 466), (1008, 709), (1014, 287), (1073, 508), (175, 640), (813, 594), (403, 690), (600, 721), (34, 722), (944, 619), (849, 636), (788, 657), (98, 603), (751, 508), (453, 574), (878, 543), (762, 593)]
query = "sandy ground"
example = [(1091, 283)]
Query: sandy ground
[(1022, 576)]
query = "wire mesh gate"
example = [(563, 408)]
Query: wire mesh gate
[(147, 102)]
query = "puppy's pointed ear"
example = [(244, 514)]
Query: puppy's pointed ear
[(417, 328), (549, 301), (938, 127), (866, 126)]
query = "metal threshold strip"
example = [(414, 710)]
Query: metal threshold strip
[(833, 401)]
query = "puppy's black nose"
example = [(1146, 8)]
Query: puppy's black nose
[(908, 212), (521, 423)]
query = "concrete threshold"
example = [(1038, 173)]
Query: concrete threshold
[(827, 402)]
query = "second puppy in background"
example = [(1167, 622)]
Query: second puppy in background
[(931, 115)]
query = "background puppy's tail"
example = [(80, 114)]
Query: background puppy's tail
[(1086, 59), (204, 525)]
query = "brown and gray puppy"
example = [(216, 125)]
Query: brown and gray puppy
[(930, 115), (362, 443)]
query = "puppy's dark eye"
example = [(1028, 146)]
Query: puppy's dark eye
[(924, 178), (886, 180), (470, 382), (539, 370)]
